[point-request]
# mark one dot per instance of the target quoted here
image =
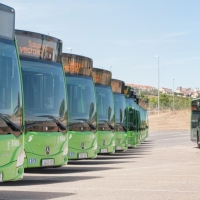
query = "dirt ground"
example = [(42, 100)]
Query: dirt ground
[(169, 120)]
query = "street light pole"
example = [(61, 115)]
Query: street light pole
[(173, 93), (157, 56)]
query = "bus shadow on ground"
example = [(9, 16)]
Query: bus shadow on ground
[(24, 195), (46, 180), (67, 170), (95, 162), (122, 155), (114, 158)]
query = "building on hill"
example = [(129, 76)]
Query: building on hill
[(142, 87), (166, 90), (188, 92)]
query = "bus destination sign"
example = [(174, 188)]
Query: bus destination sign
[(117, 86), (75, 64), (101, 76), (39, 46)]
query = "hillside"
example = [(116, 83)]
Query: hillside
[(177, 120)]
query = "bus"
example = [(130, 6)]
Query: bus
[(45, 100), (132, 123), (144, 119), (105, 110), (147, 124), (138, 123), (195, 121), (82, 106), (141, 119), (137, 115), (121, 140), (143, 127), (11, 101)]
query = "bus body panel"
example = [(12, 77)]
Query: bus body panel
[(106, 142), (121, 140), (40, 146), (131, 138), (10, 148), (82, 145)]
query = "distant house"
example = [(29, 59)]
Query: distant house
[(166, 90), (185, 92), (188, 92), (142, 87)]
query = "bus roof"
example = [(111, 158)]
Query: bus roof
[(7, 25), (39, 46), (117, 86), (102, 76), (195, 99), (6, 8), (76, 64)]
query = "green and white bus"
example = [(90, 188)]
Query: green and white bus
[(144, 124), (121, 140), (11, 101), (138, 122), (82, 106), (45, 100), (195, 121), (132, 130), (105, 110), (147, 124)]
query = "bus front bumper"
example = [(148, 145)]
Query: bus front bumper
[(10, 172), (76, 154), (33, 161)]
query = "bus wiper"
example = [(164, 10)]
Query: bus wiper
[(109, 124), (32, 124), (11, 124), (60, 125), (121, 124), (89, 123), (72, 124)]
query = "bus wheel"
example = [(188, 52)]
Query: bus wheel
[(198, 144)]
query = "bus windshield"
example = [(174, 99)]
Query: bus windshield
[(10, 90), (105, 104), (44, 91), (120, 109), (81, 99)]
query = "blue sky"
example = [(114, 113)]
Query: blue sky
[(124, 34)]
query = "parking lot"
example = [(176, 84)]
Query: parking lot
[(165, 166)]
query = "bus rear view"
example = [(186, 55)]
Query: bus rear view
[(11, 109), (46, 139), (82, 106)]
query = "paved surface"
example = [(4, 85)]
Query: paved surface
[(165, 166)]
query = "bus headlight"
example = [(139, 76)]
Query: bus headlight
[(20, 159), (95, 146), (113, 143), (65, 151)]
